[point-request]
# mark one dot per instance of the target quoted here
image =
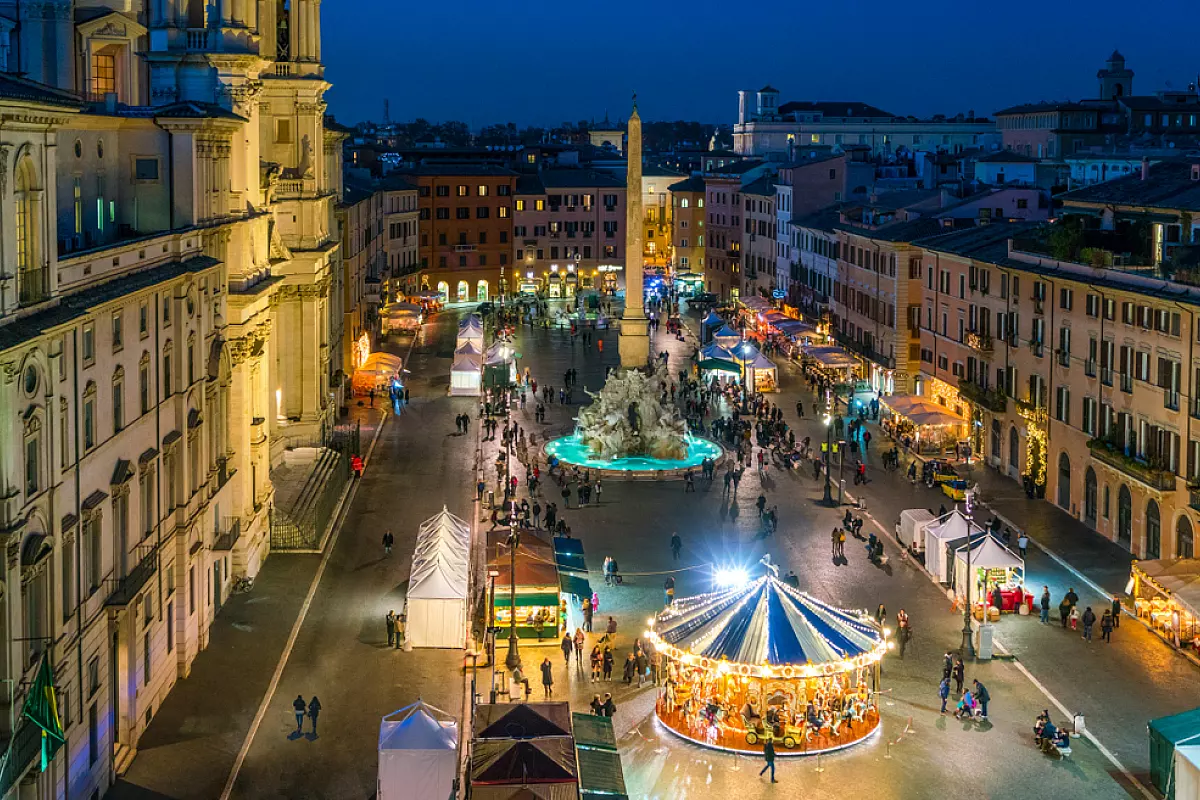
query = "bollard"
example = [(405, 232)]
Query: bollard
[(819, 767), (887, 753)]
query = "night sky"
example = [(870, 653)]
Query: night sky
[(547, 62)]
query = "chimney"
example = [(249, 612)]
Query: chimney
[(1145, 168)]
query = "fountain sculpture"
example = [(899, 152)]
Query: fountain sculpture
[(629, 418)]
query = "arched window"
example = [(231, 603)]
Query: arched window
[(35, 597), (1089, 497), (33, 456), (1183, 538), (1124, 517), (1153, 531), (1064, 481), (33, 281)]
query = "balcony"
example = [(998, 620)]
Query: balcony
[(1037, 348), (198, 38), (33, 286), (225, 471), (1107, 453), (1126, 383), (1194, 499), (980, 342), (121, 591), (1039, 305), (991, 399), (1089, 368), (470, 248), (1171, 399), (1106, 374), (228, 534), (865, 350), (1064, 358)]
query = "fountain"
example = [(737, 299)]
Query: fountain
[(629, 428)]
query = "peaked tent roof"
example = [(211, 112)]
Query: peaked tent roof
[(437, 579), (767, 622), (726, 332), (419, 726), (509, 761), (522, 721), (444, 520), (955, 525), (713, 319), (987, 553)]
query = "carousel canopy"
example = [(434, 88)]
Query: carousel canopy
[(726, 332), (767, 623), (713, 320)]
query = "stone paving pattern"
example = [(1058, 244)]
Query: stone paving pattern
[(420, 463)]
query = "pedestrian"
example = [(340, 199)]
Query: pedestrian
[(944, 691), (596, 659), (1064, 612), (676, 545), (608, 663), (401, 618), (388, 540), (769, 757), (301, 708), (629, 668), (1088, 619), (1045, 604), (597, 491), (761, 504), (609, 706), (1071, 597), (479, 487), (688, 482), (547, 677), (880, 615), (391, 628), (578, 642), (314, 710), (960, 671), (669, 590), (981, 694), (1106, 626), (1073, 619), (841, 543), (1116, 611), (833, 541), (568, 645), (597, 706), (587, 614), (1022, 544)]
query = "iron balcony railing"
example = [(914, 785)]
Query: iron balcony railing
[(229, 533), (123, 590)]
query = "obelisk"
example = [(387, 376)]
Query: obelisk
[(634, 340)]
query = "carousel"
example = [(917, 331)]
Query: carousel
[(765, 660)]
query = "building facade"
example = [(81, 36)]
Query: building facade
[(688, 237), (759, 265), (723, 249), (166, 219), (466, 229)]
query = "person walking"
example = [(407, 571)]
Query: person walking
[(629, 667), (314, 711), (608, 663), (1064, 611), (301, 708), (1116, 611), (391, 628), (547, 677), (609, 706), (568, 645), (833, 542), (597, 660), (944, 691), (1088, 619), (578, 642), (587, 614), (960, 671), (400, 620), (669, 591), (769, 757), (676, 545), (841, 543), (388, 541), (981, 695), (1045, 605), (1106, 626), (1022, 544)]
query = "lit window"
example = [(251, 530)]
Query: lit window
[(539, 205), (483, 190), (520, 205), (104, 72)]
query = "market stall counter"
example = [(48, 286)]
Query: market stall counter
[(1166, 596), (540, 608)]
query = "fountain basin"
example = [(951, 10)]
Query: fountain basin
[(571, 451)]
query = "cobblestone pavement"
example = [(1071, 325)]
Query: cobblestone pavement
[(634, 523), (419, 464)]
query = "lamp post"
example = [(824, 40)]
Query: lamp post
[(828, 499), (513, 659), (492, 575), (968, 646), (745, 389)]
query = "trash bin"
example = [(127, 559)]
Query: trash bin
[(984, 647), (491, 498)]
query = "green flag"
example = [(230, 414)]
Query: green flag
[(41, 709)]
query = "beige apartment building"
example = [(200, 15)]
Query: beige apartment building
[(688, 228)]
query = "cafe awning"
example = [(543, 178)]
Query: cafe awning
[(1178, 576), (920, 410), (756, 303), (831, 357)]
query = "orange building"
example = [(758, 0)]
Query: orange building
[(466, 225)]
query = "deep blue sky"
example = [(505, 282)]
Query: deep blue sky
[(538, 62)]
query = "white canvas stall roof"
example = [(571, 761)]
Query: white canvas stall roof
[(470, 321), (716, 351), (921, 410), (400, 309), (756, 304), (954, 525), (831, 357), (726, 332), (437, 579), (446, 520), (761, 362), (449, 550), (467, 348), (987, 553), (499, 353), (380, 362), (465, 362), (419, 726)]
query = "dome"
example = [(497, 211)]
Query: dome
[(768, 624)]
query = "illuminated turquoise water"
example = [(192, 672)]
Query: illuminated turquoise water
[(571, 451)]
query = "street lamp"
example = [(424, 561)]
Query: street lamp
[(492, 575), (968, 645), (743, 349), (828, 499), (513, 659)]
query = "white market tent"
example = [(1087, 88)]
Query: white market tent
[(939, 535), (377, 372), (400, 316), (1187, 772), (988, 554), (437, 587), (418, 754), (466, 372), (470, 330)]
